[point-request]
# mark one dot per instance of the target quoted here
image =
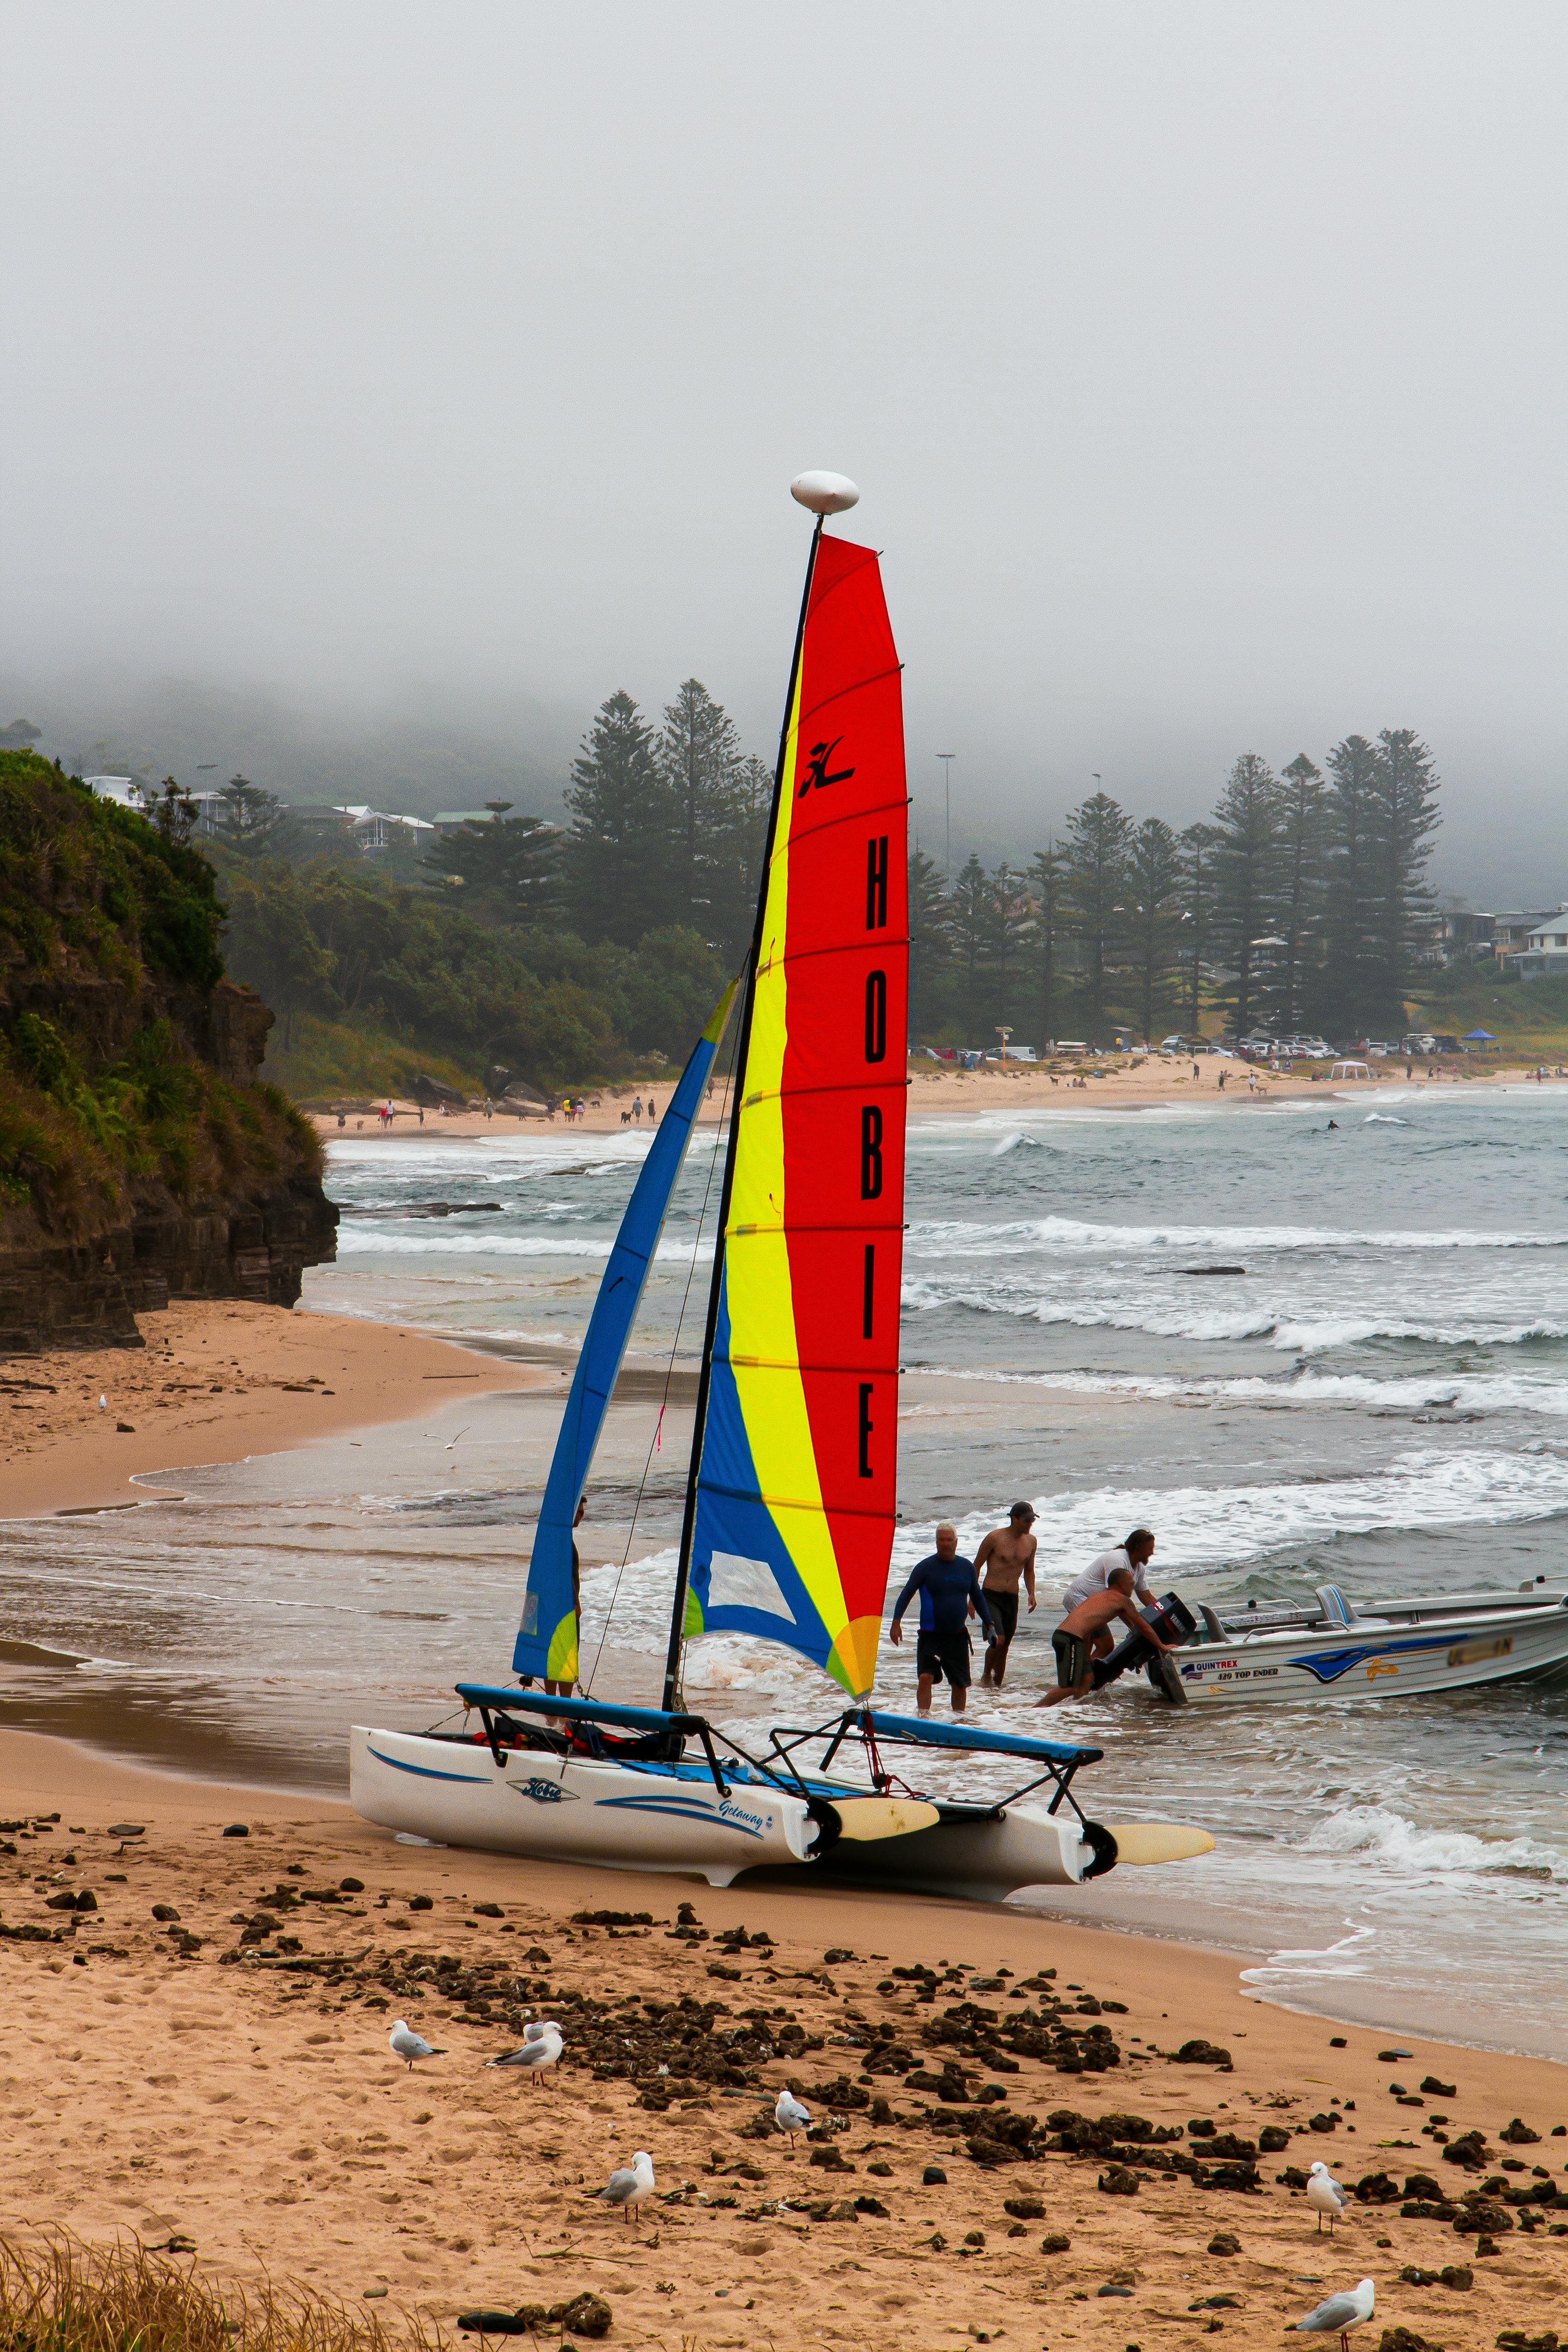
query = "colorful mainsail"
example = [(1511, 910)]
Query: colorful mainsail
[(795, 1481), (547, 1636)]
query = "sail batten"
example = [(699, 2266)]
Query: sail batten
[(795, 1480)]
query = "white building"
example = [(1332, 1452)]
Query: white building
[(1545, 951), (375, 829)]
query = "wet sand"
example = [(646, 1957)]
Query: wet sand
[(241, 2093), (217, 1381)]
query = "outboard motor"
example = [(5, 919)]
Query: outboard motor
[(1173, 1621)]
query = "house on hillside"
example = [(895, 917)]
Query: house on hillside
[(1545, 952), (453, 820), (378, 829), (1511, 933)]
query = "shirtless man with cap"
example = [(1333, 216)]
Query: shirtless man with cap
[(1004, 1556)]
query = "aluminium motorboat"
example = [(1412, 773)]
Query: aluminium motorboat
[(1401, 1647)]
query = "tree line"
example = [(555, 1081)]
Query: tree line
[(1298, 905), (572, 949)]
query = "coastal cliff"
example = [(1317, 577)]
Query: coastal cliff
[(142, 1158)]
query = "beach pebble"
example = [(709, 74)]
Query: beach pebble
[(1225, 2243), (125, 1829), (1109, 2289), (1055, 2242), (164, 1911), (238, 1829), (934, 2177)]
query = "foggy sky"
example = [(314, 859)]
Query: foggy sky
[(1201, 366)]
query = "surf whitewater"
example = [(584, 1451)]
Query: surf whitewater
[(1373, 1390)]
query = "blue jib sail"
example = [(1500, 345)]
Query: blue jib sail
[(547, 1636)]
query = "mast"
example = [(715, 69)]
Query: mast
[(821, 494)]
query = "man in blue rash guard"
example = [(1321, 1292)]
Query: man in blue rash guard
[(948, 1587)]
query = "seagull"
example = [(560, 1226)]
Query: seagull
[(627, 2188), (543, 2044), (1325, 2195), (789, 2116), (1341, 2313), (405, 2044)]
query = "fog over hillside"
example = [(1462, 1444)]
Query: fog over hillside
[(443, 371)]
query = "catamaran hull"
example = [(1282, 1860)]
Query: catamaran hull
[(1368, 1659), (620, 1816), (975, 1861), (611, 1816)]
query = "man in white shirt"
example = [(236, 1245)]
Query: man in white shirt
[(1135, 1553)]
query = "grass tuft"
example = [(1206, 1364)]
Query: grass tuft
[(64, 2295)]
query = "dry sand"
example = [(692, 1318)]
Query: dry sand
[(156, 2087), (217, 1380), (1123, 1086)]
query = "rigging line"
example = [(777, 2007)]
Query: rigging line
[(715, 1158)]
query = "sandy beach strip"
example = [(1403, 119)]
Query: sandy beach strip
[(943, 1090), (223, 2074), (217, 1380)]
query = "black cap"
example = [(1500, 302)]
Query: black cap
[(1020, 1510)]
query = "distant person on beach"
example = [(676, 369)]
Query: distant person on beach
[(948, 1588), (1334, 1126), (1004, 1556), (1197, 1073), (1084, 1635), (636, 1108), (1222, 1079), (652, 1112)]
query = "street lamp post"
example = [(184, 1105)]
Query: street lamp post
[(947, 759)]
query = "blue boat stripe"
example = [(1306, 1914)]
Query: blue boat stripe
[(425, 1771), (681, 1813)]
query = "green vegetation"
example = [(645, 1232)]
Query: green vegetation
[(109, 953), (394, 977), (66, 2296), (1528, 1018)]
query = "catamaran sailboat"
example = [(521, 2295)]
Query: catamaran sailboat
[(790, 1501)]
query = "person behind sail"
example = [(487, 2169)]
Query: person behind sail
[(564, 1690), (951, 1587)]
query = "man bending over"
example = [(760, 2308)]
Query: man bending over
[(948, 1587), (1076, 1637)]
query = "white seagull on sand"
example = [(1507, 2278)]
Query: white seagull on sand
[(1341, 2313), (541, 2045), (405, 2044), (789, 2116), (627, 2188), (1325, 2195)]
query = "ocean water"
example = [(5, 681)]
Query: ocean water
[(1376, 1393)]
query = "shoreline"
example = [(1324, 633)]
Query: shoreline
[(945, 1090), (157, 2077), (36, 1765), (217, 1381)]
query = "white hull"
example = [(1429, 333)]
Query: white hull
[(1403, 1650), (648, 1817)]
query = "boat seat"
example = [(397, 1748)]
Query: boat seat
[(1335, 1609)]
